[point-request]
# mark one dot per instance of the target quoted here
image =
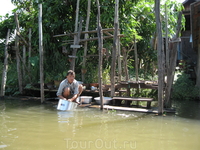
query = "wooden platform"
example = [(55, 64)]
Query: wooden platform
[(148, 100)]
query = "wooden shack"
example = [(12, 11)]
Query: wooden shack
[(188, 48)]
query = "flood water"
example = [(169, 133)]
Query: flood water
[(29, 125)]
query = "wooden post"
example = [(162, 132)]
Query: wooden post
[(125, 56), (198, 66), (41, 53), (29, 49), (72, 64), (160, 57), (136, 59), (115, 47), (172, 64), (5, 67), (166, 38), (18, 55), (119, 58), (86, 36), (24, 60), (100, 42)]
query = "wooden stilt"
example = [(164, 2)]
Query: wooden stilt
[(41, 54), (100, 42), (115, 49), (5, 67), (18, 56)]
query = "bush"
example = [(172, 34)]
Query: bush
[(184, 88)]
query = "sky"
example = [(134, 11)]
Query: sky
[(6, 6)]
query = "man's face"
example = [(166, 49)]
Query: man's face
[(70, 78)]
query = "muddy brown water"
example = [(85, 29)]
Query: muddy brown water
[(29, 125)]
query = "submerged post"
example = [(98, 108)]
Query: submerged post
[(100, 42), (160, 56)]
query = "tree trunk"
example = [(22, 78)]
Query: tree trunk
[(160, 57), (5, 67), (41, 54)]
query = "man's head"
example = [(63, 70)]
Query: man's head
[(70, 76)]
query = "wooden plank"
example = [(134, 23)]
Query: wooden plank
[(133, 98), (75, 46), (70, 56), (130, 109)]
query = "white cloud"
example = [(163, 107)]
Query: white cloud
[(6, 7)]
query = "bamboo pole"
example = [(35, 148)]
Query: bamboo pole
[(41, 53), (18, 55), (100, 43), (5, 67), (86, 36), (160, 57), (115, 49)]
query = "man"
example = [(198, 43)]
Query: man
[(69, 88)]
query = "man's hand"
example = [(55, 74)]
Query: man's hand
[(71, 100)]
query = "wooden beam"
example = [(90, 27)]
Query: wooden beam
[(19, 35), (75, 46), (84, 32)]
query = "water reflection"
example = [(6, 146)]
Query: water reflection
[(188, 109), (7, 137)]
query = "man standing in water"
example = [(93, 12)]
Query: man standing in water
[(69, 88)]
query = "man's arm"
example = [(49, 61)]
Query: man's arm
[(60, 90), (73, 99)]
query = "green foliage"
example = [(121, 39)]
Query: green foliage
[(184, 88), (136, 18)]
